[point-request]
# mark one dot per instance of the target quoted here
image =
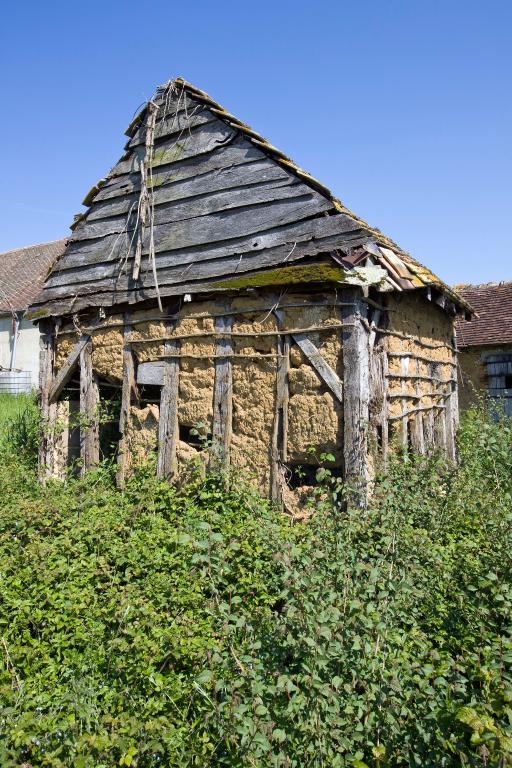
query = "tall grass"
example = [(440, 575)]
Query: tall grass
[(19, 425)]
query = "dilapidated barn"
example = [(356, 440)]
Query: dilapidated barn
[(225, 298)]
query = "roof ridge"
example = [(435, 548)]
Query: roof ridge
[(490, 284)]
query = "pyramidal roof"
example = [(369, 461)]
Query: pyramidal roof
[(197, 199)]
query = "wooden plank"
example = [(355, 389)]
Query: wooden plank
[(173, 125), (48, 410), (199, 141), (499, 369), (240, 151), (168, 428), (322, 367), (109, 294), (385, 415), (255, 172), (356, 393), (404, 434), (128, 391), (168, 103), (279, 447), (89, 411), (63, 282), (418, 435), (378, 395), (151, 373), (67, 370), (501, 358), (214, 227), (250, 264), (451, 413), (299, 234), (223, 394), (207, 205)]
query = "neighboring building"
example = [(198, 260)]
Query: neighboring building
[(211, 281), (22, 275), (485, 342)]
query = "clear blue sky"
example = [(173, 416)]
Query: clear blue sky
[(404, 109)]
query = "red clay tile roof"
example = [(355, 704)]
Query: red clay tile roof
[(493, 321), (23, 272)]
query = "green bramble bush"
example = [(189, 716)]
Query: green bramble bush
[(195, 626)]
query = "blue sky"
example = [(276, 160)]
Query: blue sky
[(403, 109)]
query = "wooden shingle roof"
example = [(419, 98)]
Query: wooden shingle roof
[(199, 197), (23, 271), (492, 324)]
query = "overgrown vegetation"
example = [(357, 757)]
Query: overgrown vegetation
[(195, 626)]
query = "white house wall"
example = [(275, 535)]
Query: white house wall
[(27, 348)]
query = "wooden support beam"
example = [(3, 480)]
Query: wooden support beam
[(418, 433), (168, 428), (67, 370), (48, 410), (356, 392), (129, 391), (222, 395), (378, 400), (429, 417), (89, 411), (279, 448), (451, 414), (385, 415), (326, 373), (404, 371)]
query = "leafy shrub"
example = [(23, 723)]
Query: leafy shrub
[(194, 626)]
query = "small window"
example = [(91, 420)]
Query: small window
[(508, 381)]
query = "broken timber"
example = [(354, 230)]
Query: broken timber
[(322, 367), (67, 370)]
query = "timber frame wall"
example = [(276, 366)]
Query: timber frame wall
[(392, 385)]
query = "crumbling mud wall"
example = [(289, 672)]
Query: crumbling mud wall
[(417, 341), (315, 417), (412, 366)]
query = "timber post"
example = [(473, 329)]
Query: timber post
[(129, 388), (89, 411), (222, 426), (356, 391), (168, 428), (48, 409), (279, 446)]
